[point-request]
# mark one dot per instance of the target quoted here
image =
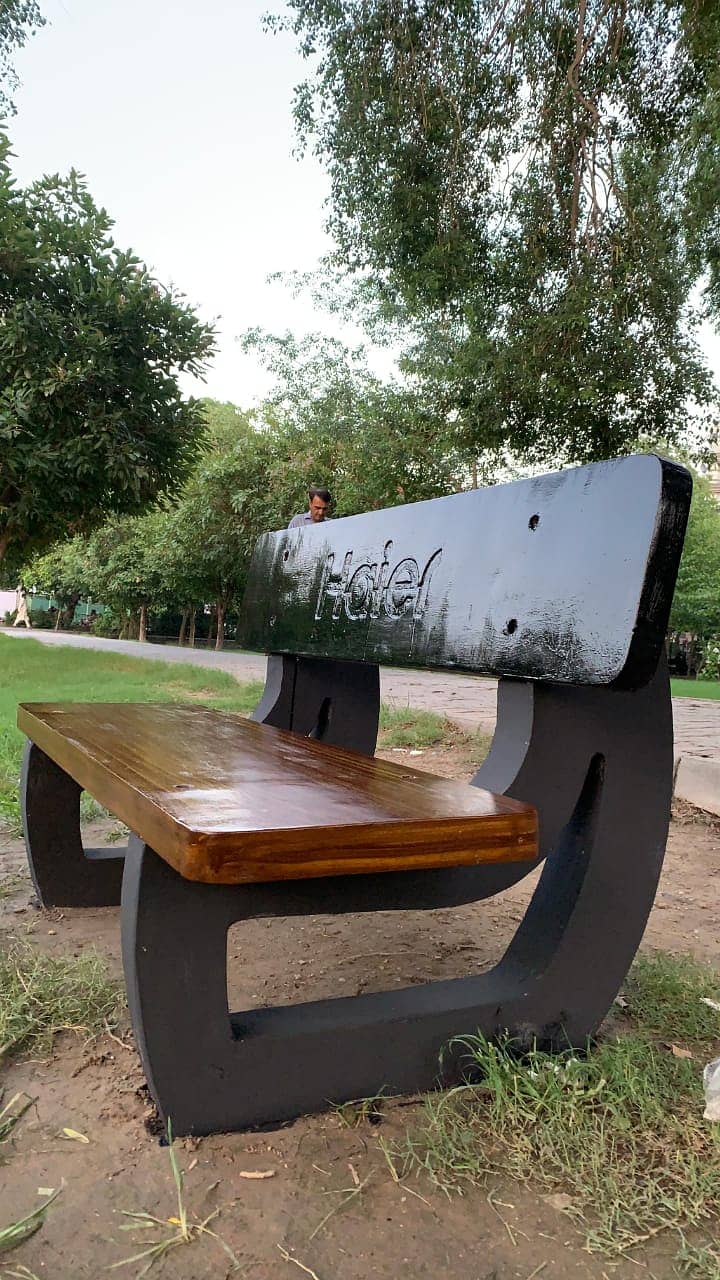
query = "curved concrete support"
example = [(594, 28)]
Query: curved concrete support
[(64, 874), (598, 764), (334, 702)]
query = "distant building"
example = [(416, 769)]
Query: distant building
[(7, 603)]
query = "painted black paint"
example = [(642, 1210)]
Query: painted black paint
[(565, 577), (598, 764), (589, 602)]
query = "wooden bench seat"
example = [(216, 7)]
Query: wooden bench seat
[(226, 801)]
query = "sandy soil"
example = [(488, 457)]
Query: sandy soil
[(386, 1230)]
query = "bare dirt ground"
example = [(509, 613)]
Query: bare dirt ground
[(272, 1224)]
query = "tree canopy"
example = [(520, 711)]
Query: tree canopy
[(92, 419), (523, 195), (375, 441), (18, 20), (696, 604)]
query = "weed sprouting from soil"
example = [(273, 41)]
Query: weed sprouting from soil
[(12, 1111), (182, 1230), (18, 1232)]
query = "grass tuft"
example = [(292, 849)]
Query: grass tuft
[(11, 1112), (411, 727), (41, 995), (698, 1262), (174, 1231), (358, 1110), (619, 1131), (665, 995)]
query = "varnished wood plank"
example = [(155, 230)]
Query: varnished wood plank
[(225, 800), (564, 577)]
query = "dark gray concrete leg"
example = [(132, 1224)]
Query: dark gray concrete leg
[(64, 874), (598, 763), (334, 702)]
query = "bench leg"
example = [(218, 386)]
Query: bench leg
[(174, 945), (63, 873), (599, 764), (334, 702)]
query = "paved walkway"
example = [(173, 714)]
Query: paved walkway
[(469, 700)]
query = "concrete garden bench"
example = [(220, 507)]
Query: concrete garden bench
[(561, 586)]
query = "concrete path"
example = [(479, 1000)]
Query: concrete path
[(469, 700)]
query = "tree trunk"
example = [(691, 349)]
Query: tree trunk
[(220, 609), (191, 636), (67, 613), (58, 619), (183, 624), (142, 627), (211, 628)]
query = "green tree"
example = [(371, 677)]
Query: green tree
[(227, 503), (510, 186), (124, 568), (696, 606), (62, 572), (374, 442), (18, 20), (92, 420), (701, 44)]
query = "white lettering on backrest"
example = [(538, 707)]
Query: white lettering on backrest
[(372, 589)]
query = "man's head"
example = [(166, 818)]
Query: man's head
[(320, 500)]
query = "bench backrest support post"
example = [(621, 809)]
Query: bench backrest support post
[(334, 702)]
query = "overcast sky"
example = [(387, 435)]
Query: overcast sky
[(179, 115)]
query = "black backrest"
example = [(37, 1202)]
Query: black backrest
[(565, 577)]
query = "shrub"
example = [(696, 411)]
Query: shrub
[(710, 669)]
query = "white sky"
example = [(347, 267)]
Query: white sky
[(179, 114)]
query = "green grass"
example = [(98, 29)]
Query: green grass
[(695, 688), (41, 995), (34, 672), (699, 1263), (409, 727), (418, 730), (665, 996), (618, 1131)]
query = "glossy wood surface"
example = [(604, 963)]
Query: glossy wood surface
[(228, 801), (564, 577)]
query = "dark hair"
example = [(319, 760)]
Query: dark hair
[(324, 494)]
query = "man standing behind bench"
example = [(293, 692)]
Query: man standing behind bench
[(319, 505)]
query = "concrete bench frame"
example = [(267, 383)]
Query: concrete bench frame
[(561, 586)]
